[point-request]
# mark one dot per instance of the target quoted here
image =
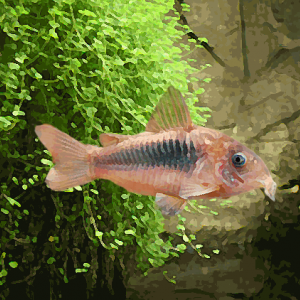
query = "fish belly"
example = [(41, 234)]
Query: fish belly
[(144, 181)]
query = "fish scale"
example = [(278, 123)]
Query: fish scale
[(156, 163)]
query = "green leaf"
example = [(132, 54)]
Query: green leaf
[(99, 233), (129, 231), (202, 206), (51, 260), (87, 13), (13, 66), (20, 57), (180, 227), (140, 206), (61, 270), (182, 219), (185, 238), (5, 121), (5, 211), (13, 264), (151, 260), (159, 242), (181, 247), (12, 201), (15, 180), (138, 51), (90, 111), (47, 162), (53, 24), (18, 113), (120, 243), (214, 212), (119, 62), (81, 270), (114, 246), (192, 237), (52, 33), (200, 91)]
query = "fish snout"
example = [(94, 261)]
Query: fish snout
[(270, 187)]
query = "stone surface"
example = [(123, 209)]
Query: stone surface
[(255, 99)]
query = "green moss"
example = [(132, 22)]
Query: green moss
[(86, 67)]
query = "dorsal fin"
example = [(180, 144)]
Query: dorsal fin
[(109, 139), (170, 112)]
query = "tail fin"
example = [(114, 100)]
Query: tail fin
[(72, 159)]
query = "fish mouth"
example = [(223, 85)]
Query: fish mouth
[(270, 187)]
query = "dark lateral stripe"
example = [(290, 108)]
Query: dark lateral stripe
[(123, 158), (184, 148), (138, 155), (115, 157), (171, 154), (128, 156)]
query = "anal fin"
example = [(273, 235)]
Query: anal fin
[(169, 205)]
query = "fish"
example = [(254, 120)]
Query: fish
[(173, 160)]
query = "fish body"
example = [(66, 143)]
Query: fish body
[(173, 160)]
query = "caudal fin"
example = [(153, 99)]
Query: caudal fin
[(72, 159)]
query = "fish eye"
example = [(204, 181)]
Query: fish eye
[(238, 159)]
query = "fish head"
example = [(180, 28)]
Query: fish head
[(241, 170)]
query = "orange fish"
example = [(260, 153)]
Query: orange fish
[(173, 160)]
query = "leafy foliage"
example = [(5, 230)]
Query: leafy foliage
[(86, 67)]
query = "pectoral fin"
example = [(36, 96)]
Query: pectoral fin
[(169, 205), (191, 189)]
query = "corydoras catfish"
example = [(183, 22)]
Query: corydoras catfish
[(173, 160)]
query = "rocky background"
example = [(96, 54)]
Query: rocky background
[(254, 52)]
